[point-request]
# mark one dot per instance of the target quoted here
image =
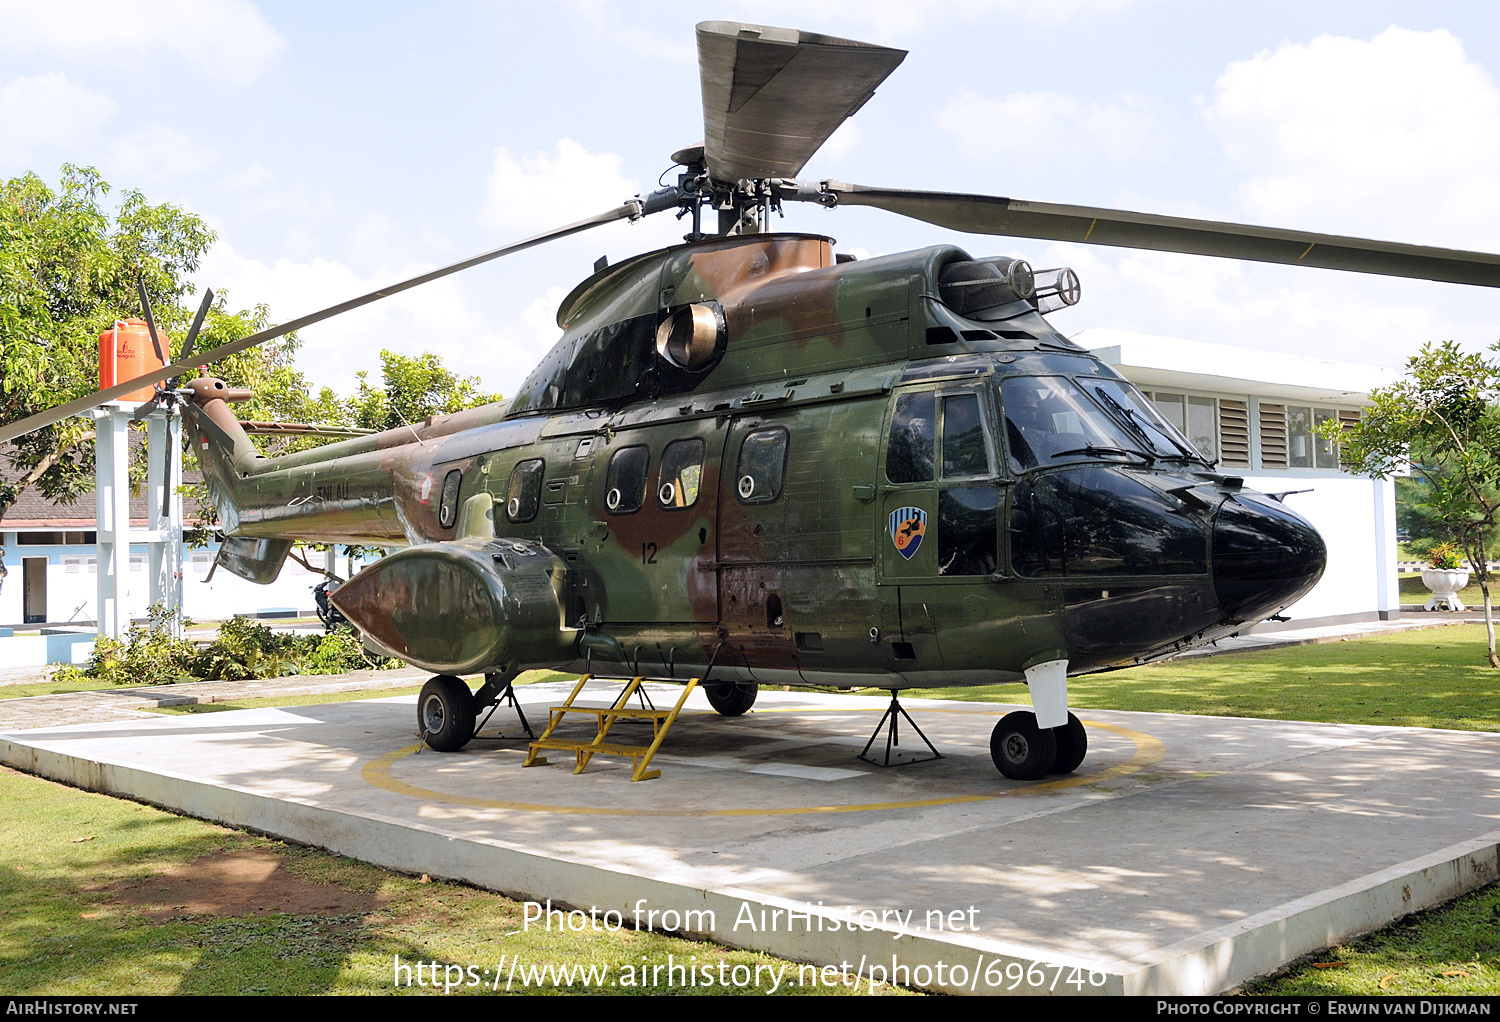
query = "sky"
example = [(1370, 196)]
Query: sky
[(336, 147)]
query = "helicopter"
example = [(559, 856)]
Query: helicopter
[(750, 460)]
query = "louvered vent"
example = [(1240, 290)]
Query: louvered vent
[(1234, 434), (1348, 419), (1272, 436)]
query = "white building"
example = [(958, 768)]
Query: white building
[(1253, 412)]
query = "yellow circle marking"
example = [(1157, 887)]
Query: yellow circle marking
[(1148, 750)]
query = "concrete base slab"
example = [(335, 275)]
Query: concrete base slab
[(1187, 855)]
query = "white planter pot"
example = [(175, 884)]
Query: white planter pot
[(1445, 584)]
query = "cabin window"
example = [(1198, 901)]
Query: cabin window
[(448, 509), (625, 482), (681, 474), (761, 465), (523, 493)]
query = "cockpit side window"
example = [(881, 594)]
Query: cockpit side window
[(909, 455)]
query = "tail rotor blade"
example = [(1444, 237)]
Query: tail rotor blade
[(140, 286), (192, 334), (631, 209)]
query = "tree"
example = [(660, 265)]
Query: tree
[(67, 272), (1443, 420), (411, 390)]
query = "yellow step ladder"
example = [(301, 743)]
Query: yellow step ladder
[(661, 723)]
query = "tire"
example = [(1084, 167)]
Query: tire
[(1072, 746), (1021, 750), (445, 713), (732, 699)]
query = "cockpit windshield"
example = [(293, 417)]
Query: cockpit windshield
[(1050, 420), (1140, 416)]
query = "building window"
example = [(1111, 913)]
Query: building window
[(1305, 449), (1196, 418)]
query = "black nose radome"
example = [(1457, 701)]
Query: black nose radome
[(1265, 557)]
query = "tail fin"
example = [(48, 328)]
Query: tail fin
[(226, 455)]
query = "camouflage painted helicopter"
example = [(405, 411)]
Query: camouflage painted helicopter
[(751, 460)]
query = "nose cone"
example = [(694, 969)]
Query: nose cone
[(1265, 557)]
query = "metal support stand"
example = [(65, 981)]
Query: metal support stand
[(892, 739), (507, 695)]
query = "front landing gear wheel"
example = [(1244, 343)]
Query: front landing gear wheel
[(1072, 746), (445, 713), (1021, 750), (731, 699)]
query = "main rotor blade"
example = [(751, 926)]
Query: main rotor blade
[(630, 209), (772, 96), (988, 214)]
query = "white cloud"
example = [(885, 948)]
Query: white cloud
[(534, 193), (435, 317), (227, 39), (655, 47), (891, 20), (46, 111), (1326, 314), (156, 153), (1397, 137), (1050, 120), (442, 317)]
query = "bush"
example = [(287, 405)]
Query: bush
[(150, 655), (1445, 557)]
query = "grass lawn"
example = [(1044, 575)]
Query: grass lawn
[(93, 897), (100, 896), (1426, 677)]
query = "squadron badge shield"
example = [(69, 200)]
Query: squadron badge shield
[(908, 526)]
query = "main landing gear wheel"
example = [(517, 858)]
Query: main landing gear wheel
[(1021, 750), (445, 713), (731, 699), (1072, 746)]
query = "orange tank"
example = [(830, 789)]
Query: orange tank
[(125, 352)]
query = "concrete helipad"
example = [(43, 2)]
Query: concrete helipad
[(1188, 854)]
